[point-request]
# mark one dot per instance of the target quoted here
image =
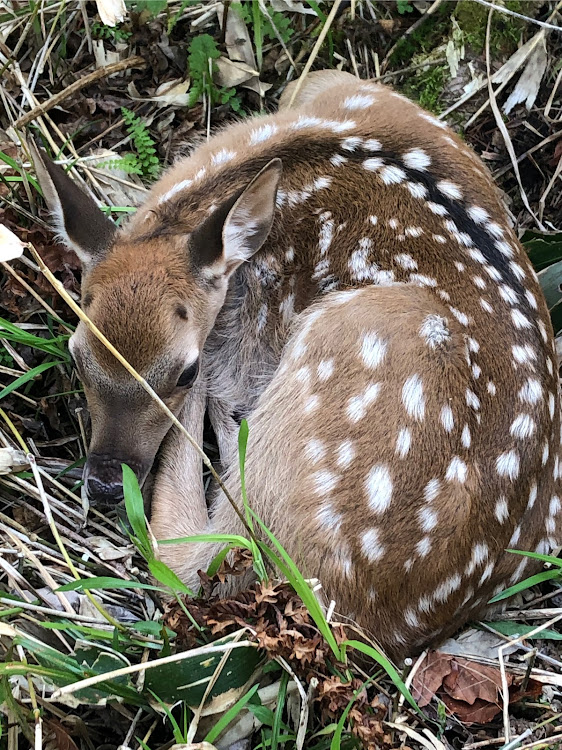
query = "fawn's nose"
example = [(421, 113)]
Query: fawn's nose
[(103, 478)]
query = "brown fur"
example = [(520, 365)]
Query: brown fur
[(368, 315)]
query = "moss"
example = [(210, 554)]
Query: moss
[(426, 38), (427, 86), (505, 33)]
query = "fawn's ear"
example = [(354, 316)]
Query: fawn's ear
[(239, 226), (79, 222)]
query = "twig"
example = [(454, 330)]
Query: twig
[(315, 50), (432, 8), (502, 126), (95, 75), (508, 12)]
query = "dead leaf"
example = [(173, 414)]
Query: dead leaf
[(469, 681), (527, 87), (429, 677), (111, 12)]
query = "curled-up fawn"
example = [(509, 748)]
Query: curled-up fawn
[(342, 274)]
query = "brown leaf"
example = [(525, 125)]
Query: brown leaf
[(469, 681), (480, 712), (429, 677)]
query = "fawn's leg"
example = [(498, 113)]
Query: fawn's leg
[(178, 497)]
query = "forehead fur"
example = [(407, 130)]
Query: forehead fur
[(133, 297)]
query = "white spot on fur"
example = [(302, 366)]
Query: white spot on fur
[(325, 369), (447, 419), (392, 175), (522, 427), (431, 490), (345, 454), (437, 208), (423, 547), (263, 133), (373, 350), (502, 509), (371, 546), (358, 101), (329, 518), (337, 160), (417, 190), (417, 158), (325, 481), (507, 465), (465, 437), (406, 261), (449, 189), (478, 215), (315, 450), (223, 156), (434, 331), (448, 587), (372, 164), (520, 320), (357, 405), (403, 442), (456, 471), (413, 398), (378, 486), (472, 399), (311, 404), (531, 392), (433, 120), (183, 185), (427, 519)]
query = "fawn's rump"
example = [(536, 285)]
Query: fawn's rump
[(398, 464)]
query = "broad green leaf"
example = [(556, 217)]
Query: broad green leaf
[(515, 629), (188, 679), (550, 279)]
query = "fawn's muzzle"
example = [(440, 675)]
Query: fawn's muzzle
[(103, 479)]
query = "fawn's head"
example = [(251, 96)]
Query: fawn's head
[(155, 296)]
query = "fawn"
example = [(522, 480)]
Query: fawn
[(342, 274)]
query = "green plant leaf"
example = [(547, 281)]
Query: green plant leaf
[(388, 668), (134, 505), (26, 377), (106, 583), (548, 575), (162, 573), (515, 629), (230, 715)]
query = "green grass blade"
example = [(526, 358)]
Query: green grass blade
[(537, 556), (26, 377), (281, 696), (107, 583), (234, 539), (231, 714), (134, 505), (388, 668), (548, 575)]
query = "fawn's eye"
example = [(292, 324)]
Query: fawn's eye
[(188, 376)]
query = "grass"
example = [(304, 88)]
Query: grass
[(122, 624)]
